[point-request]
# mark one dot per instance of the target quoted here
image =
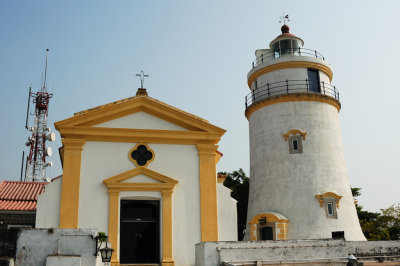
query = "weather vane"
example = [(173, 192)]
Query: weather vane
[(142, 76), (284, 18)]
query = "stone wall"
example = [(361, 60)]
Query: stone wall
[(51, 247), (295, 252)]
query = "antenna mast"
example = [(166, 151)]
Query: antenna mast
[(36, 161)]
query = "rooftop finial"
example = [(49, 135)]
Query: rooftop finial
[(142, 76)]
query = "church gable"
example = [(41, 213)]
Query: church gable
[(141, 120), (135, 110)]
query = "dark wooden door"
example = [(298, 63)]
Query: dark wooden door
[(140, 231), (313, 80), (267, 233)]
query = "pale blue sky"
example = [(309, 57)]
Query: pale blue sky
[(198, 54)]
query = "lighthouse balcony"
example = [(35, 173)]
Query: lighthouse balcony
[(266, 55), (295, 89)]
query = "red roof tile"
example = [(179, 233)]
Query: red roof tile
[(19, 195)]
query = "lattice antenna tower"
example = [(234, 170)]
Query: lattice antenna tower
[(36, 163)]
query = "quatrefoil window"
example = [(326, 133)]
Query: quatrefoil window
[(141, 155)]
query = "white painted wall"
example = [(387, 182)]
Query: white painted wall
[(227, 214), (287, 183), (101, 160), (141, 120), (48, 206)]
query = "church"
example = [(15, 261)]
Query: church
[(144, 173)]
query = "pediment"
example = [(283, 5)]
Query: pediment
[(141, 120), (127, 112), (140, 178)]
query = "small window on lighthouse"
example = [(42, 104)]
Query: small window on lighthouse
[(295, 144), (330, 208)]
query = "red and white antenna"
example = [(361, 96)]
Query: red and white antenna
[(36, 163)]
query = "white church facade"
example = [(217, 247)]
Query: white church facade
[(144, 173)]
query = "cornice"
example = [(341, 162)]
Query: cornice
[(292, 97)]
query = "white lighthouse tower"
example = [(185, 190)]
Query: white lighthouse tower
[(299, 187)]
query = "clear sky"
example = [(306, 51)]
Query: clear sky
[(198, 54)]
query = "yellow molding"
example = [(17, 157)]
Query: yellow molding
[(134, 161), (69, 205), (333, 195), (289, 64), (270, 218), (281, 225), (292, 97), (281, 236), (117, 179), (167, 259), (294, 132), (208, 192), (221, 178), (115, 186), (139, 135), (133, 105)]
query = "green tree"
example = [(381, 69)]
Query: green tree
[(379, 226), (238, 182)]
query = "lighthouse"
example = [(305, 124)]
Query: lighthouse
[(299, 187)]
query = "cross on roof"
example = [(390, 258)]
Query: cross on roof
[(142, 76)]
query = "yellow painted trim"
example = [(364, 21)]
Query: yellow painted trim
[(136, 104), (139, 135), (270, 218), (294, 132), (118, 179), (167, 229), (113, 225), (328, 194), (221, 178), (289, 64), (281, 225), (69, 206), (166, 187), (292, 97), (208, 192), (281, 236), (134, 148)]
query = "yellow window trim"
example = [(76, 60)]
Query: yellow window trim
[(321, 198), (134, 161), (166, 187), (290, 64), (294, 132)]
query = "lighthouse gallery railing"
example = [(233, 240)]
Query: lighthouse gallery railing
[(268, 55), (290, 86)]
